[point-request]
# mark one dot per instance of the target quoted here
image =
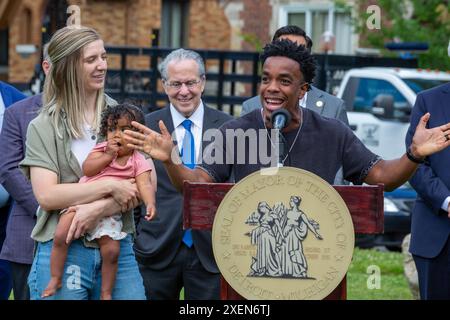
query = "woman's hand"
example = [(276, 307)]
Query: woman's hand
[(86, 218), (88, 215), (126, 194), (150, 212)]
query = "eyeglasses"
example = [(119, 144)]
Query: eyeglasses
[(176, 85)]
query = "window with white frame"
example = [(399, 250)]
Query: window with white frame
[(316, 19)]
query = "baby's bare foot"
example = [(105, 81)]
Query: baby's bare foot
[(106, 296), (52, 287)]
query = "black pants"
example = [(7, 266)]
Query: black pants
[(185, 271), (434, 275), (20, 274)]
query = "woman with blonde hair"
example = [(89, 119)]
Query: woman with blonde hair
[(58, 142)]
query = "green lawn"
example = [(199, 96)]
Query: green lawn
[(393, 284)]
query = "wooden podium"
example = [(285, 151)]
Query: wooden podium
[(365, 204)]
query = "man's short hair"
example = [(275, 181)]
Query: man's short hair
[(295, 31), (289, 49), (180, 55)]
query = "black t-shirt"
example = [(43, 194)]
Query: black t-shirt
[(322, 146)]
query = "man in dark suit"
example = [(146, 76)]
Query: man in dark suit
[(8, 96), (169, 257), (18, 246), (315, 99), (430, 226)]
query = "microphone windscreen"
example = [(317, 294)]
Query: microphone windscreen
[(281, 113)]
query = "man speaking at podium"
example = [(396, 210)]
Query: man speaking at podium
[(319, 145)]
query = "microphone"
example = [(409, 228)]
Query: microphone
[(280, 119)]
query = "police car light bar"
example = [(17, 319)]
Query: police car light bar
[(407, 46)]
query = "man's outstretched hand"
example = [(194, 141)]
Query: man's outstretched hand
[(157, 145), (425, 141)]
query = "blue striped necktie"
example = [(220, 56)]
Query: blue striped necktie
[(188, 158)]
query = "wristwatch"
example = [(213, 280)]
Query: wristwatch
[(412, 157)]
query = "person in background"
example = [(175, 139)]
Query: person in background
[(8, 96), (430, 217), (18, 245), (409, 268), (170, 258)]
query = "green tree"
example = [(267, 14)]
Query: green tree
[(407, 21), (253, 40)]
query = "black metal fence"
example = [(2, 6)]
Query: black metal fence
[(232, 76), (225, 71)]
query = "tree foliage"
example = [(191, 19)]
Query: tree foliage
[(409, 21)]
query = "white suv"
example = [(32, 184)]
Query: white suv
[(379, 103)]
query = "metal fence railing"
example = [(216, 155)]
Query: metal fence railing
[(232, 76), (224, 71)]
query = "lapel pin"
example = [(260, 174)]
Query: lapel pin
[(319, 104)]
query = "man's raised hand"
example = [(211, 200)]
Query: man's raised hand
[(157, 145), (428, 141)]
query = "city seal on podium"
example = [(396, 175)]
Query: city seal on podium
[(285, 236)]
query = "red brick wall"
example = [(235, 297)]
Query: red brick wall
[(256, 16), (125, 22), (130, 22), (21, 69), (208, 25)]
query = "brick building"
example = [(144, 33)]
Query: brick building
[(197, 24)]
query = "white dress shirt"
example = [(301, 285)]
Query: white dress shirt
[(2, 111), (302, 101), (196, 127), (445, 203)]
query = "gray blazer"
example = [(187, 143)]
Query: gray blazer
[(18, 245), (157, 241), (319, 101)]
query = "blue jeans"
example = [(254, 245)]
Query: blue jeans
[(82, 273)]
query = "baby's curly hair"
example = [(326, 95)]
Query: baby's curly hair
[(114, 113)]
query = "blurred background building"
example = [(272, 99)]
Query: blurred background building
[(198, 24)]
